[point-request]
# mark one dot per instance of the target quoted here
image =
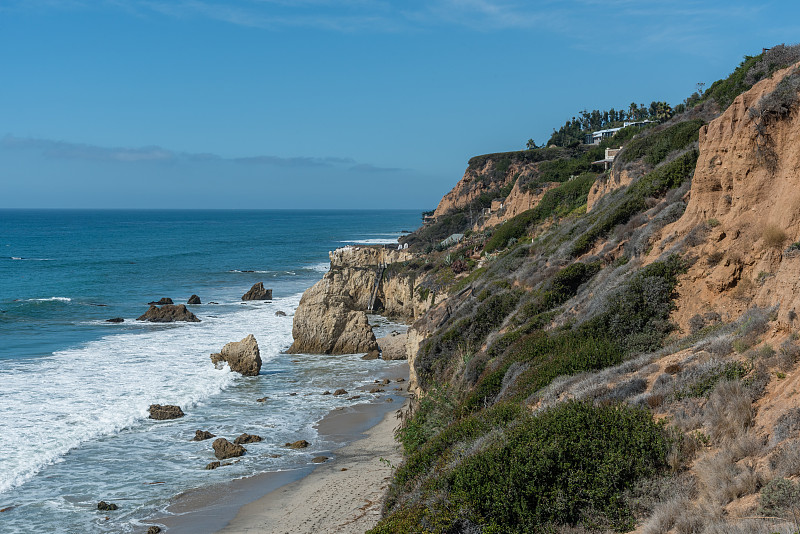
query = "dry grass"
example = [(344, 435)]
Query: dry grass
[(773, 236), (728, 412), (721, 479), (785, 462)]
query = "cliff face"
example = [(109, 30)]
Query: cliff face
[(490, 176), (331, 317), (748, 209), (603, 186), (517, 201)]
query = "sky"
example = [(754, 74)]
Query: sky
[(328, 104)]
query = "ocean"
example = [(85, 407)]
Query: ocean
[(75, 389)]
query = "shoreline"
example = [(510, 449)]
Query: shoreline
[(309, 497)]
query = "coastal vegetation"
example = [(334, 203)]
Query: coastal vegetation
[(557, 392)]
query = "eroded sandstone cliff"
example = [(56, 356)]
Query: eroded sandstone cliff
[(746, 209)]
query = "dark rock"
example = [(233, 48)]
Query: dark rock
[(257, 292), (202, 435), (247, 438), (320, 459), (274, 455), (6, 509), (389, 399), (354, 397), (376, 390), (168, 313), (262, 399), (164, 300), (167, 411), (194, 299), (339, 392), (292, 394), (106, 506), (300, 444), (326, 392), (242, 356), (280, 313), (371, 355), (385, 381), (212, 465), (224, 449), (115, 320), (400, 380), (153, 530)]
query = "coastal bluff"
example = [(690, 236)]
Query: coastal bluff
[(331, 317)]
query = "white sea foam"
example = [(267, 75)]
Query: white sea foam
[(373, 241), (52, 299), (30, 259), (53, 405), (320, 267)]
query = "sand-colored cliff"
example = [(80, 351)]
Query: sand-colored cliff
[(747, 212)]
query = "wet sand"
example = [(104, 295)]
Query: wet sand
[(342, 496), (317, 497)]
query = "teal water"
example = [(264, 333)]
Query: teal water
[(74, 389)]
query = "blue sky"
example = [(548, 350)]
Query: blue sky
[(322, 103)]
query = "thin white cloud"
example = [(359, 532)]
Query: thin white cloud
[(153, 154)]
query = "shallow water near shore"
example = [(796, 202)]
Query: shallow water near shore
[(75, 389)]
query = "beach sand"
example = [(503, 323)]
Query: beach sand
[(317, 497), (342, 496)]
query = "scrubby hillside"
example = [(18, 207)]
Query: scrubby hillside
[(629, 367)]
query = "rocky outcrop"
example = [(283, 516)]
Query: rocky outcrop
[(115, 320), (257, 292), (300, 444), (483, 175), (168, 313), (520, 199), (241, 356), (393, 346), (606, 184), (224, 449), (167, 411), (104, 506), (331, 318), (164, 300), (748, 209), (202, 435), (328, 321), (194, 299)]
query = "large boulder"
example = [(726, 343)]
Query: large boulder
[(328, 321), (168, 313), (224, 449), (257, 292), (194, 299), (242, 356), (167, 411), (393, 346)]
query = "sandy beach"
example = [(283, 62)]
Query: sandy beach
[(341, 496)]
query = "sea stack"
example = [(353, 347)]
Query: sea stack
[(257, 292)]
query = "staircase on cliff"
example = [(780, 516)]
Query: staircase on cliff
[(374, 295)]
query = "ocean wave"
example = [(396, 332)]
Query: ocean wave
[(16, 258), (128, 372), (51, 299), (375, 241)]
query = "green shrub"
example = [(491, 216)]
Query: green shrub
[(654, 184), (656, 146), (556, 202), (552, 467)]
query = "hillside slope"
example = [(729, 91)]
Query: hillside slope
[(614, 370)]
